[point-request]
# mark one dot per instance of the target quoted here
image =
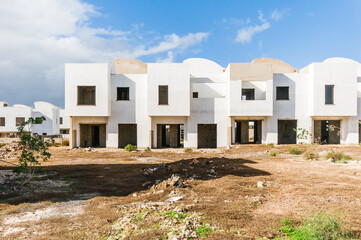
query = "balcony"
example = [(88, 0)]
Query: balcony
[(251, 98)]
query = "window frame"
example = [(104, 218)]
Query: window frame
[(254, 94), (4, 121), (159, 98), (288, 93), (333, 94), (16, 121), (95, 95), (128, 95)]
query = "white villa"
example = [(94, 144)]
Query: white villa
[(56, 123), (199, 104)]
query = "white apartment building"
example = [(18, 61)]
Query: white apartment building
[(12, 116), (199, 104)]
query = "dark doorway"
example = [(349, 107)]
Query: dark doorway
[(92, 135), (248, 132), (286, 132), (170, 135), (95, 138), (127, 134), (327, 131), (207, 135)]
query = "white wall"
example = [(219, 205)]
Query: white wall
[(87, 74), (176, 76)]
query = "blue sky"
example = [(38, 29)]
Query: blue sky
[(39, 36)]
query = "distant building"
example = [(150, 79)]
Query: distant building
[(12, 116)]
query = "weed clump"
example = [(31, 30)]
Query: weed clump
[(273, 153), (271, 144), (188, 150), (130, 148), (147, 149), (65, 142), (310, 155), (294, 151), (337, 156), (320, 226)]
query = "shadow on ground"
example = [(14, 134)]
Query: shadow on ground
[(123, 179)]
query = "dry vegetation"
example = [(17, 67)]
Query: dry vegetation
[(241, 193)]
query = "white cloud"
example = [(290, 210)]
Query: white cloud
[(39, 36), (278, 15), (168, 59), (245, 34)]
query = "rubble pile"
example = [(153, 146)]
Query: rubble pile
[(177, 223), (9, 151)]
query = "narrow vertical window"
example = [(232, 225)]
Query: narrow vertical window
[(61, 120), (2, 122), (163, 95), (329, 92)]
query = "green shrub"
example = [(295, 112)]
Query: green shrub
[(147, 149), (310, 155), (187, 150), (271, 144), (337, 156), (273, 153), (130, 148), (203, 230), (318, 227), (294, 151), (65, 142), (56, 144), (2, 144)]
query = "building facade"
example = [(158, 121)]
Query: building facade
[(199, 104)]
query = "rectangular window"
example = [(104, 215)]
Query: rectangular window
[(86, 95), (19, 121), (195, 94), (248, 94), (2, 122), (329, 92), (282, 93), (163, 95), (61, 120), (122, 93)]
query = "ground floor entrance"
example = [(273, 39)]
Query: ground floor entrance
[(207, 136), (92, 135), (170, 135), (286, 131), (127, 134), (327, 131), (248, 131)]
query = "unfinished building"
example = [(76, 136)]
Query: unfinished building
[(199, 104)]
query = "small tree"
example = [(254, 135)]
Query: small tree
[(34, 150), (302, 134)]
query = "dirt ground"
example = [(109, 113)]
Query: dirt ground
[(243, 193)]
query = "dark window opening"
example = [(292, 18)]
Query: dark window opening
[(122, 93), (329, 91), (2, 122), (195, 94), (86, 95), (64, 131), (163, 95), (61, 120), (19, 121), (248, 94), (282, 93)]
